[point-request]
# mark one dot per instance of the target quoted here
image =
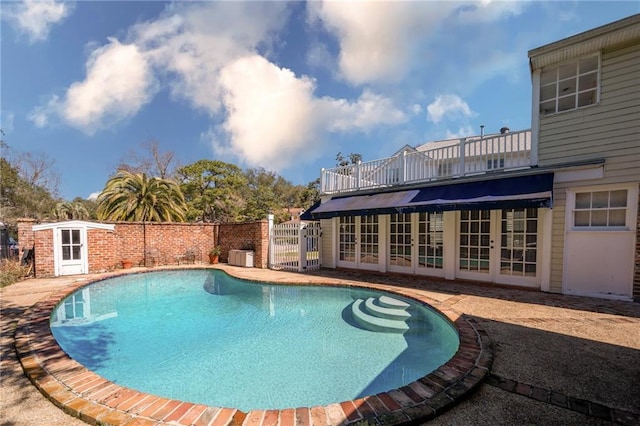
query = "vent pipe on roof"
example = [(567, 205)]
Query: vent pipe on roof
[(482, 130), (504, 130)]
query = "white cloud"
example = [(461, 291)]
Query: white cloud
[(193, 42), (489, 11), (94, 195), (462, 132), (6, 122), (375, 39), (383, 42), (40, 114), (368, 111), (119, 82), (36, 17), (448, 106), (207, 54), (273, 117), (318, 56), (270, 111)]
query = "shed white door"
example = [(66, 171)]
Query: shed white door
[(71, 251)]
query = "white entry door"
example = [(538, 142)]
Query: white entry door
[(71, 251)]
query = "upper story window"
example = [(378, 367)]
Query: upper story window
[(570, 85), (495, 163), (445, 169)]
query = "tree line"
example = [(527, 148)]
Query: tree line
[(151, 186)]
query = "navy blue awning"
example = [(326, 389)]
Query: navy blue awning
[(505, 193)]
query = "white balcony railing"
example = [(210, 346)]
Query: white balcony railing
[(433, 161)]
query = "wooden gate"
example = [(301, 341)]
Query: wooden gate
[(295, 246)]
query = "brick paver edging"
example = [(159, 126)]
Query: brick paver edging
[(83, 394), (559, 399)]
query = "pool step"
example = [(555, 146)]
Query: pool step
[(390, 302), (388, 315), (385, 312)]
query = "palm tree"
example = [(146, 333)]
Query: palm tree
[(135, 197), (70, 211)]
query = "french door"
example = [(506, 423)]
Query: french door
[(359, 242), (498, 246), (416, 243)]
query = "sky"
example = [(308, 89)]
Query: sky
[(284, 86)]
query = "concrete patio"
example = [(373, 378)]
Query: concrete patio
[(558, 360)]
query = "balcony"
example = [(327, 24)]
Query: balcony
[(433, 161)]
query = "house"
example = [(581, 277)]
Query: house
[(554, 207)]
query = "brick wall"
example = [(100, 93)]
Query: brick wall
[(150, 244), (246, 236)]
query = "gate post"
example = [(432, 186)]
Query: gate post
[(302, 248), (269, 238)]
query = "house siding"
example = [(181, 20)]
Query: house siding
[(614, 123), (609, 130), (557, 239), (328, 255), (636, 276)]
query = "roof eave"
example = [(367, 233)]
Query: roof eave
[(616, 33)]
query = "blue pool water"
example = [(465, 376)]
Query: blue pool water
[(205, 337)]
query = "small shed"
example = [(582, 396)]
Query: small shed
[(64, 248)]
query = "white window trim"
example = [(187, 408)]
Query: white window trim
[(631, 215), (558, 65)]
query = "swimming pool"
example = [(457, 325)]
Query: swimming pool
[(209, 338)]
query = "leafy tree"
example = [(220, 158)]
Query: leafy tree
[(352, 158), (19, 198), (266, 193), (309, 195), (136, 197), (212, 190), (89, 205)]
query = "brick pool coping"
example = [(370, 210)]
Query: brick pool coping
[(95, 400)]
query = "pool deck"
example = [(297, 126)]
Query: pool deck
[(527, 358)]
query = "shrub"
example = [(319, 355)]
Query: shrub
[(11, 271)]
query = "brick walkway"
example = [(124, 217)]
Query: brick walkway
[(547, 349)]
